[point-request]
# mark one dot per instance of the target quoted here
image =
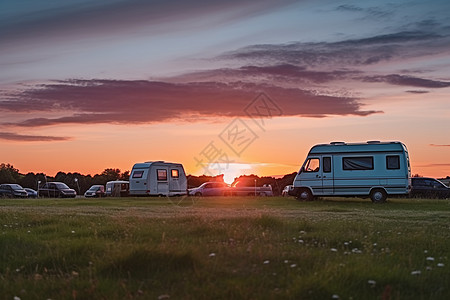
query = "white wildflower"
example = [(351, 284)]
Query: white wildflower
[(417, 272), (429, 258), (333, 250), (440, 265), (266, 262), (335, 296), (293, 265), (212, 254), (372, 282)]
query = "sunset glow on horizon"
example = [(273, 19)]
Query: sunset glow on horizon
[(233, 88)]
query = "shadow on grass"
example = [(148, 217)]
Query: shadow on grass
[(145, 263)]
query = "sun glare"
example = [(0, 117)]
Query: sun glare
[(233, 170)]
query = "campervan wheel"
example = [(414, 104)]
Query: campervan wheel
[(378, 196), (305, 195)]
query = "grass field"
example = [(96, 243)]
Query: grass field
[(224, 248)]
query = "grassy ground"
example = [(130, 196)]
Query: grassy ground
[(224, 248)]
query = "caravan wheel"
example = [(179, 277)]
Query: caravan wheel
[(378, 196)]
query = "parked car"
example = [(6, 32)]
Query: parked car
[(8, 190), (429, 188), (211, 189), (246, 188), (56, 190), (285, 192), (31, 193), (96, 191)]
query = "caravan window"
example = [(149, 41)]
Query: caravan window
[(162, 174), (392, 162), (175, 173), (357, 163), (312, 165), (138, 174)]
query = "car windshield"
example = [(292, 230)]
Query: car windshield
[(61, 185), (16, 187), (94, 188)]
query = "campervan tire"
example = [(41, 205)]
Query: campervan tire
[(378, 196), (304, 195)]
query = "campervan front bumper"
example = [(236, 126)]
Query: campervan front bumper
[(293, 191)]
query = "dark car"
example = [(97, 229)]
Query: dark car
[(8, 190), (31, 193), (97, 190), (423, 187), (56, 190)]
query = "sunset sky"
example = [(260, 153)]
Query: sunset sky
[(234, 87)]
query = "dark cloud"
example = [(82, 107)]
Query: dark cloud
[(417, 92), (343, 54), (125, 102), (9, 136), (408, 81), (91, 18), (279, 73)]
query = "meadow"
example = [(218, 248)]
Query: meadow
[(224, 248)]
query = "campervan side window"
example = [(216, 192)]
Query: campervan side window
[(357, 163), (312, 165), (327, 164), (162, 174), (175, 173), (392, 162), (138, 174)]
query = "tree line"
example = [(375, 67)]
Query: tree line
[(81, 183)]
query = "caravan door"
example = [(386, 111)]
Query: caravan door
[(162, 181), (175, 182)]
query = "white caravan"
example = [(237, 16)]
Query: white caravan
[(117, 188), (375, 169), (158, 178)]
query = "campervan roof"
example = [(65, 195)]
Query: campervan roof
[(370, 146)]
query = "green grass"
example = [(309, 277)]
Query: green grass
[(224, 248)]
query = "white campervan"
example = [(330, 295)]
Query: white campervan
[(375, 169), (158, 178)]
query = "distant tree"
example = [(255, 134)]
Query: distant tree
[(30, 181), (195, 181), (417, 175), (111, 174), (9, 174), (125, 176)]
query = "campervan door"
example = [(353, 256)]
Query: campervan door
[(317, 173)]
